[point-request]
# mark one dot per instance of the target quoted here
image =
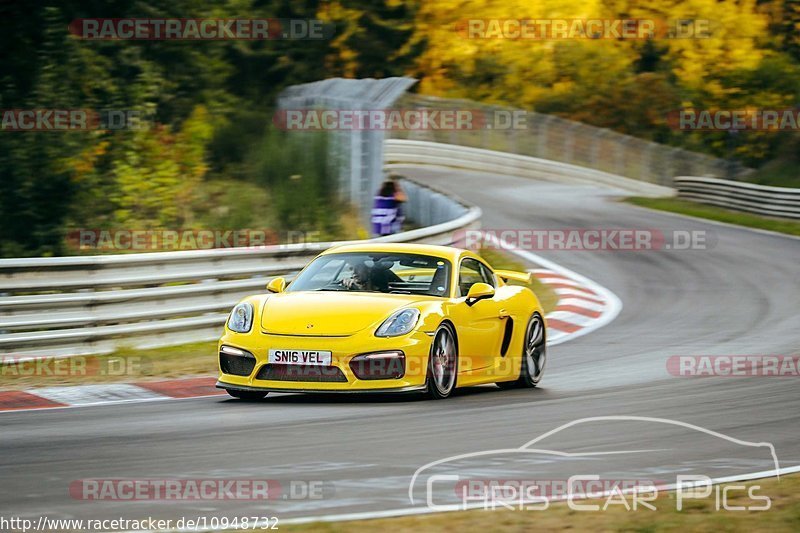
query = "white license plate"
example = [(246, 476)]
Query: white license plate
[(300, 357)]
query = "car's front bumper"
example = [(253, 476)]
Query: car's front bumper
[(415, 346), (244, 388)]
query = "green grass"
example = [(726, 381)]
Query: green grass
[(233, 204), (219, 205), (505, 261), (780, 172), (697, 515), (686, 207), (223, 205)]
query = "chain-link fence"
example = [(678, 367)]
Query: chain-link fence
[(558, 139), (356, 153)]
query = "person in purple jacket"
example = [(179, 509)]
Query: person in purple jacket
[(386, 209)]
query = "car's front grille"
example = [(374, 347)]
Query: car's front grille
[(318, 374), (237, 365)]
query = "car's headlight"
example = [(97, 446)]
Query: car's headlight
[(399, 323), (241, 319)]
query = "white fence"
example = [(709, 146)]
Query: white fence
[(760, 199), (398, 152)]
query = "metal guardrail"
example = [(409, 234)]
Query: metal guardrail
[(399, 152), (62, 306), (760, 199)]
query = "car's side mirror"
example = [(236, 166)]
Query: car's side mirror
[(479, 291), (276, 285)]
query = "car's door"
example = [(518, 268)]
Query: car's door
[(479, 326)]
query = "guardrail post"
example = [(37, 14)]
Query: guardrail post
[(544, 125), (621, 153), (569, 142)]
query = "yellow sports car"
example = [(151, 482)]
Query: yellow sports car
[(385, 318)]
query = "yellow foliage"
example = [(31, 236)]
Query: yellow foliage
[(522, 71), (83, 164), (157, 176)]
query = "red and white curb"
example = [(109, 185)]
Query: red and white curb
[(583, 306), (578, 308), (108, 393)]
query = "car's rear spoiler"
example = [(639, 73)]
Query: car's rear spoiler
[(506, 275)]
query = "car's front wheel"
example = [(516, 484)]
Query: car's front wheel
[(534, 355), (246, 395), (442, 363)]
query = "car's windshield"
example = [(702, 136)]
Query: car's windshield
[(398, 273)]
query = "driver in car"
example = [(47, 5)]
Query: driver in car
[(359, 280)]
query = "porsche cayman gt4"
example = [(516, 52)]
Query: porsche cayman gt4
[(385, 318)]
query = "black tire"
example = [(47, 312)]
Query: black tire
[(442, 363), (247, 395), (534, 354)]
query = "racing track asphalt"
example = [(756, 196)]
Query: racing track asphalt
[(739, 297)]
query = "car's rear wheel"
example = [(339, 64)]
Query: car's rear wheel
[(442, 363), (247, 395), (534, 356)]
